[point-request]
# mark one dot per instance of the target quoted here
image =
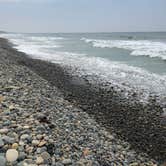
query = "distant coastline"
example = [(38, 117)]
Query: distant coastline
[(3, 32), (63, 32)]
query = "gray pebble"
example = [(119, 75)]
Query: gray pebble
[(45, 156), (8, 140), (2, 160), (58, 164), (67, 161), (1, 142), (22, 156)]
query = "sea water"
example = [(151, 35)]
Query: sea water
[(130, 61)]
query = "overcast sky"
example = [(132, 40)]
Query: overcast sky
[(82, 15)]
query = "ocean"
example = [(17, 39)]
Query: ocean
[(131, 62)]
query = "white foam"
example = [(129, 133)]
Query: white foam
[(45, 38), (36, 46), (122, 76), (22, 40), (137, 47)]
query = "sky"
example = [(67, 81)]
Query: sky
[(82, 15)]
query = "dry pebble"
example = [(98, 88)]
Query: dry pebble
[(15, 146), (39, 160), (11, 155), (3, 131)]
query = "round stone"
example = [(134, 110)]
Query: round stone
[(39, 160), (11, 155), (35, 142), (24, 136), (39, 136), (67, 161), (45, 156), (15, 146), (4, 131)]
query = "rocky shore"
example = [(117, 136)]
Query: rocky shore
[(38, 126)]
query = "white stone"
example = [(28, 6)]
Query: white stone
[(26, 127), (11, 155)]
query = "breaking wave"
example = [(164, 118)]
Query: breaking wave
[(137, 47)]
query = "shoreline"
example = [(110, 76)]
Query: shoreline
[(145, 134)]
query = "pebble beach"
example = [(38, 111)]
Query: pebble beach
[(38, 126)]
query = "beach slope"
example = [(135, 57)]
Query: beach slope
[(45, 128)]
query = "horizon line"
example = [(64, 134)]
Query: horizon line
[(3, 31)]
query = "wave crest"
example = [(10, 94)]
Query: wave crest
[(137, 47)]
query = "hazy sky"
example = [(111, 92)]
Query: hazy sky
[(82, 15)]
